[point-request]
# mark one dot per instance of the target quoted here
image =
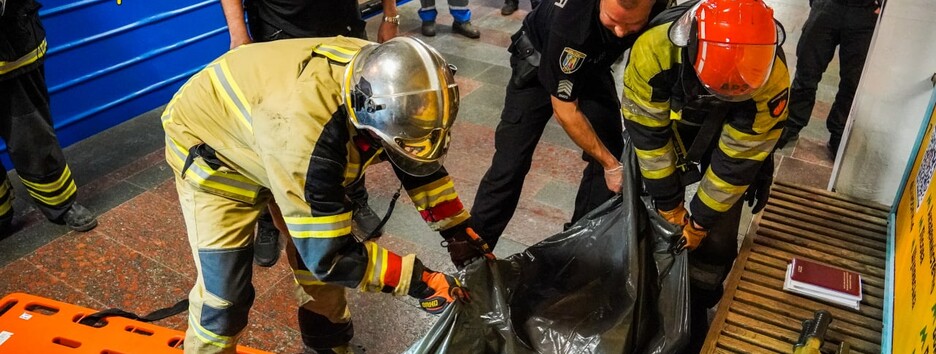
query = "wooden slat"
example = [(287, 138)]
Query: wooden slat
[(775, 278), (859, 318), (779, 264), (823, 235), (879, 211), (732, 342), (756, 315), (828, 217), (832, 195), (866, 275), (794, 324), (801, 216)]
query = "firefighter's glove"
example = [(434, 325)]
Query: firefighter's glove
[(677, 216), (692, 236), (435, 290), (614, 177), (465, 246), (759, 191)]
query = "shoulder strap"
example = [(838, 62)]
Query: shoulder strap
[(95, 318)]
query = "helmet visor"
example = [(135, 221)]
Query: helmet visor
[(410, 155), (733, 72)]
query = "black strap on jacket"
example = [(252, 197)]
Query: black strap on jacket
[(96, 319)]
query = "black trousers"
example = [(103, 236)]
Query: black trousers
[(526, 112), (26, 128), (831, 23)]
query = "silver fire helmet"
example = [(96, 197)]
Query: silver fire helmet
[(405, 93)]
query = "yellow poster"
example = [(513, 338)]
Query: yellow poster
[(914, 329)]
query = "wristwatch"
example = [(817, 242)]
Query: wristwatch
[(392, 19)]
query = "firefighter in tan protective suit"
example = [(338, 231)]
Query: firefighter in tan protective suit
[(296, 121)]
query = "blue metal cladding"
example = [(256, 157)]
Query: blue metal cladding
[(108, 63)]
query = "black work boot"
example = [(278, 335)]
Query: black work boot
[(510, 6), (364, 220), (465, 29), (428, 28), (343, 349), (79, 218), (6, 225), (266, 241)]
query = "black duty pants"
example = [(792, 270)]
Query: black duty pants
[(26, 128), (831, 23), (526, 111)]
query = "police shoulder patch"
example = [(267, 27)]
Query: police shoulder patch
[(778, 103), (571, 60)]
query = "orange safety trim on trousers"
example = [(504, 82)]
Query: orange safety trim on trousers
[(31, 324)]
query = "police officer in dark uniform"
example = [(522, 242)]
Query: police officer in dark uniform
[(26, 123), (848, 24), (561, 60), (271, 20)]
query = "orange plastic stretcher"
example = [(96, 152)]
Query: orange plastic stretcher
[(31, 324)]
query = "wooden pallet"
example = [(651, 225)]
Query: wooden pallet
[(755, 314)]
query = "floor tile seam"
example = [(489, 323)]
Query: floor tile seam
[(285, 277), (67, 284)]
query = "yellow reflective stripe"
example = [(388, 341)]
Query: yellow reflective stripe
[(6, 206), (641, 115), (305, 277), (384, 257), (319, 226), (339, 54), (741, 145), (657, 163), (366, 283), (58, 199), (718, 194), (5, 186), (230, 92), (449, 221), (29, 58), (432, 194), (50, 187), (209, 338)]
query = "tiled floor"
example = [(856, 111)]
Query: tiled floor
[(132, 259)]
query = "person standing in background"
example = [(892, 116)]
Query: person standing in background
[(269, 20), (848, 24), (461, 16), (26, 123)]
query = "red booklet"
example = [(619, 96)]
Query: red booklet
[(826, 277)]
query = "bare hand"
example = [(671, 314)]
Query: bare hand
[(387, 31)]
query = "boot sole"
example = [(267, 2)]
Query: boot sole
[(85, 227)]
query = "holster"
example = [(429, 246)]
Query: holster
[(524, 60)]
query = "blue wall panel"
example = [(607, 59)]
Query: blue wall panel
[(108, 63)]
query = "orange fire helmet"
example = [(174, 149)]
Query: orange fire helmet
[(732, 45)]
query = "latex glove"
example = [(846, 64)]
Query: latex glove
[(435, 290), (758, 192), (466, 246), (692, 236), (677, 216), (614, 177), (387, 31)]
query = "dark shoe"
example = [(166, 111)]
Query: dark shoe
[(266, 244), (509, 7), (79, 218), (364, 220), (428, 28), (833, 147), (6, 226), (785, 138), (465, 29)]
